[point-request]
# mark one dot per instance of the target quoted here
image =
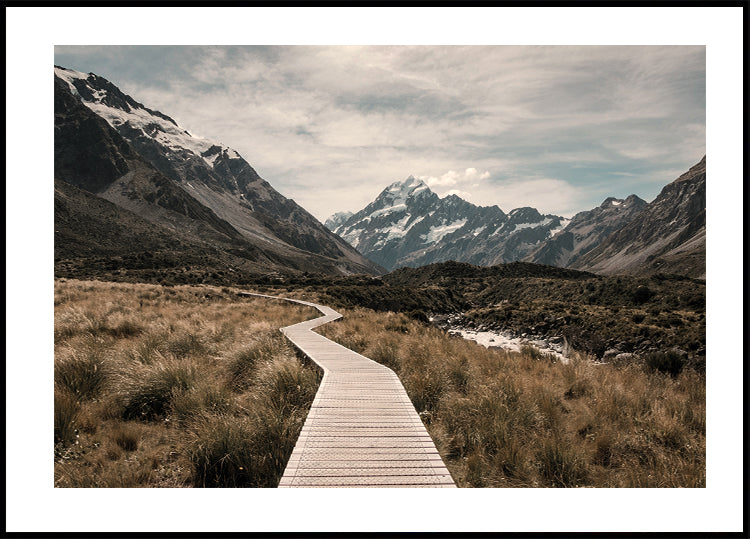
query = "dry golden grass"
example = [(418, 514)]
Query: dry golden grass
[(506, 419), (174, 386), (192, 386)]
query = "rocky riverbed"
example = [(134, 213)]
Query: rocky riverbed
[(507, 340)]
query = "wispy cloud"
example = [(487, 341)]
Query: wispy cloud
[(557, 128)]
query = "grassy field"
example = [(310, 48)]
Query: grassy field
[(195, 386), (174, 386), (505, 419)]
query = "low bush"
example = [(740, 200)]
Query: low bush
[(560, 465), (669, 362), (285, 383), (264, 347), (207, 396)]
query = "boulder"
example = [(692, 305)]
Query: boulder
[(610, 354)]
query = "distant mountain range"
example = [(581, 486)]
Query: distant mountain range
[(161, 191), (408, 225)]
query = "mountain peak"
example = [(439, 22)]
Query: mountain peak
[(666, 235), (635, 199), (611, 201), (407, 188)]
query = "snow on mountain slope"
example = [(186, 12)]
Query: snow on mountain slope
[(409, 225), (337, 219), (108, 102)]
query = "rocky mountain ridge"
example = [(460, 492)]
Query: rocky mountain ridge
[(667, 236), (586, 230)]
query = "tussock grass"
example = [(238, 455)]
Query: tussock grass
[(509, 419), (206, 396), (66, 414), (149, 393), (265, 345), (251, 449), (127, 436), (83, 373), (174, 386)]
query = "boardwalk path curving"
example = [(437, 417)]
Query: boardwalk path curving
[(362, 430)]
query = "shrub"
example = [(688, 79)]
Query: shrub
[(221, 452), (642, 294), (231, 451), (207, 397), (533, 352), (419, 315), (185, 344), (265, 347), (578, 389), (285, 382), (125, 328), (426, 387), (670, 362), (459, 375), (385, 352), (148, 348)]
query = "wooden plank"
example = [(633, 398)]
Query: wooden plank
[(362, 430)]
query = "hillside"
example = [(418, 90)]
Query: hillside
[(108, 144), (668, 236), (586, 231)]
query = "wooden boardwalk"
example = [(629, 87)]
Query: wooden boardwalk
[(362, 430)]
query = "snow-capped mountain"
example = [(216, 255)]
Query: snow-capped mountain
[(409, 225), (198, 177), (337, 219), (586, 230), (667, 236)]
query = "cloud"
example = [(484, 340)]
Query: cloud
[(468, 176), (478, 119)]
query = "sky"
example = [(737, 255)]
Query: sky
[(559, 128), (497, 147)]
